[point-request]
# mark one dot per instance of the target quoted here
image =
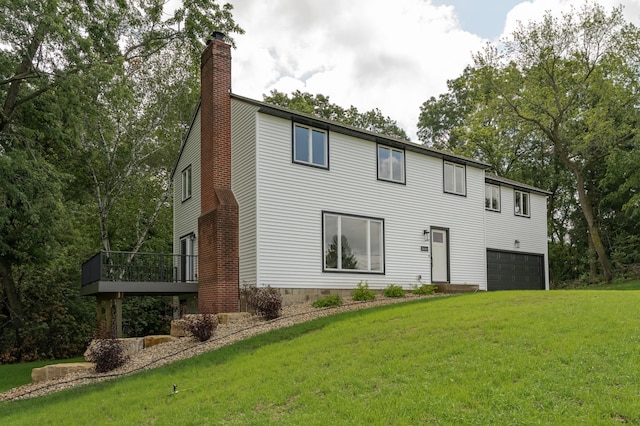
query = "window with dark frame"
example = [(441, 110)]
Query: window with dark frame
[(521, 204), (492, 197), (352, 243), (310, 146), (454, 178), (186, 183), (391, 164)]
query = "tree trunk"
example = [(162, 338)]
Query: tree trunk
[(11, 293), (593, 259), (594, 231)]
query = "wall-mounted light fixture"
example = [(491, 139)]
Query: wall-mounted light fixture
[(516, 244), (192, 237), (425, 234)]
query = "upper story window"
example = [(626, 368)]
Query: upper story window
[(521, 204), (186, 183), (492, 197), (390, 164), (353, 243), (454, 178), (310, 146)]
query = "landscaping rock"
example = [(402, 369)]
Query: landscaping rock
[(157, 340), (179, 328), (232, 317), (56, 371)]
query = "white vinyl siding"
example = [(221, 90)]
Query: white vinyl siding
[(185, 214), (502, 230), (291, 200), (243, 184), (454, 178)]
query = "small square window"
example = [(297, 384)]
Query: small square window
[(390, 164), (454, 178), (186, 183), (310, 146), (492, 197), (521, 204)]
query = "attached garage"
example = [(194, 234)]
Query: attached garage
[(508, 270)]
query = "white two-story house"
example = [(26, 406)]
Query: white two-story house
[(268, 196)]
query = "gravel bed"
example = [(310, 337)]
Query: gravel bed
[(186, 347)]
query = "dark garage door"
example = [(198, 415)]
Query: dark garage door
[(514, 271)]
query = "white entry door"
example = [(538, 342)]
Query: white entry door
[(439, 255)]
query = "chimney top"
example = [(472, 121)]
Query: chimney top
[(218, 35)]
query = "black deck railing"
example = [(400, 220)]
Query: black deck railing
[(139, 267)]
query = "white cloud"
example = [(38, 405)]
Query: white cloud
[(367, 53)]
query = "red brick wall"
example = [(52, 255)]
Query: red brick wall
[(218, 243)]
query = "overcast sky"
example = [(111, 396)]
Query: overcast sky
[(391, 55)]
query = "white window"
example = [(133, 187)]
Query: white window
[(521, 205), (390, 164), (454, 178), (310, 146), (186, 183), (353, 243), (492, 197)]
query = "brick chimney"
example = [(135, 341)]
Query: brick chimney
[(218, 243)]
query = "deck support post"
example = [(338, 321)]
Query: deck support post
[(109, 314)]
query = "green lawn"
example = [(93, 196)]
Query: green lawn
[(627, 285), (13, 375), (558, 357)]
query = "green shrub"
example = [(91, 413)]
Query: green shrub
[(107, 354), (330, 300), (363, 293), (393, 291), (424, 289), (202, 326), (266, 301)]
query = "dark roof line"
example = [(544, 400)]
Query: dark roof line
[(491, 178), (357, 132)]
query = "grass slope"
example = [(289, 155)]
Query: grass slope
[(561, 357)]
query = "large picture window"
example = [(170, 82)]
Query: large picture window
[(521, 204), (390, 164), (454, 178), (310, 146), (492, 197), (186, 183), (353, 243)]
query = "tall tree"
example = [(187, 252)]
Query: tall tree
[(68, 71), (570, 85), (320, 106)]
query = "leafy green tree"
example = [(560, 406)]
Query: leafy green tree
[(93, 97), (554, 102), (320, 106)]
